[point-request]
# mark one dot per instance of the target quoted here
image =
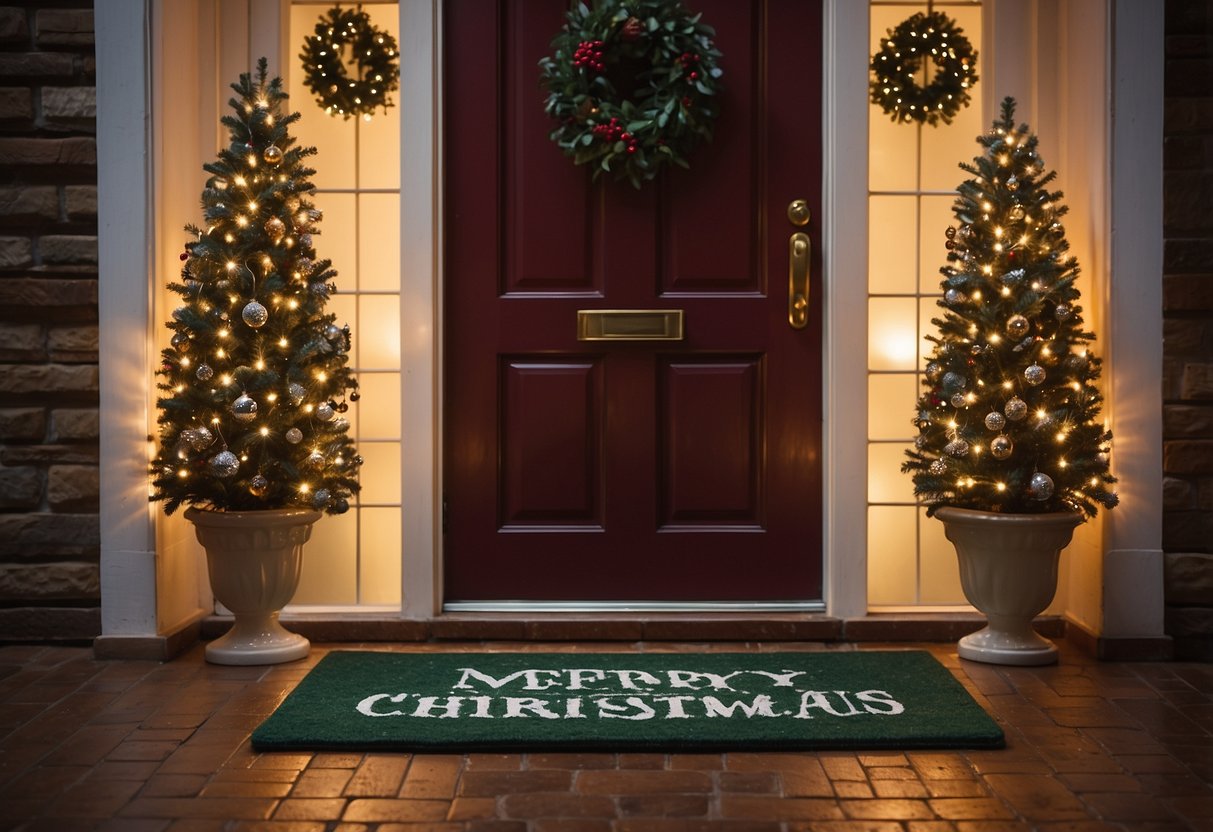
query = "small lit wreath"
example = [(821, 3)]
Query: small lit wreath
[(632, 85), (373, 53), (922, 37)]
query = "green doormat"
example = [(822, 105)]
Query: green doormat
[(659, 701)]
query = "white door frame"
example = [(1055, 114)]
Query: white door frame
[(137, 121)]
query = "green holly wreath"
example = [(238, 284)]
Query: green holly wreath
[(374, 53), (632, 85), (934, 37)]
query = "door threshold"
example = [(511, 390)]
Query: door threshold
[(633, 606)]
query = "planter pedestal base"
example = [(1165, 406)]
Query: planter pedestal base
[(257, 639), (1006, 645)]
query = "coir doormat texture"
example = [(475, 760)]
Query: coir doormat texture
[(656, 701)]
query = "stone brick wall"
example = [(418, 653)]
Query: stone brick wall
[(1188, 326), (49, 527)]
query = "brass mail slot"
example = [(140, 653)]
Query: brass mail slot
[(629, 324)]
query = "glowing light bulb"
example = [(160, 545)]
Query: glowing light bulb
[(240, 180), (282, 342), (271, 397), (264, 431), (223, 332), (185, 361), (304, 488), (259, 364), (225, 380), (1002, 486)]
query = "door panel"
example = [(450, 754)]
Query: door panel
[(685, 471)]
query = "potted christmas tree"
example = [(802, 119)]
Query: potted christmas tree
[(1011, 452), (255, 379)]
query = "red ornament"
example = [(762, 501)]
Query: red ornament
[(185, 255)]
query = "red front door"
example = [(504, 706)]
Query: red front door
[(680, 470)]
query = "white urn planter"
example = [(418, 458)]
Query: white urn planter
[(1008, 569), (254, 559)]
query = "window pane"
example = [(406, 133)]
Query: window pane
[(892, 561), (379, 242), (330, 558), (891, 398), (379, 407), (379, 325), (379, 571), (940, 573), (892, 333), (932, 253), (886, 483), (892, 249), (380, 474)]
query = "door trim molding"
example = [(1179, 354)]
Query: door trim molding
[(633, 606), (844, 125), (421, 309)]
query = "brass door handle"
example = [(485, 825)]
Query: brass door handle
[(800, 251)]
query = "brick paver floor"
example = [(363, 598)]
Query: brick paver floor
[(145, 747)]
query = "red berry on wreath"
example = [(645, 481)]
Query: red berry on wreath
[(694, 76), (631, 29)]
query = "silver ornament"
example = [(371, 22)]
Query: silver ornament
[(1016, 213), (272, 155), (320, 498), (341, 424), (958, 401), (1034, 374), (1018, 326), (1001, 447), (199, 438), (315, 458), (224, 464), (295, 392), (1012, 277), (1015, 409), (275, 227), (920, 442), (244, 408), (294, 436), (325, 412), (953, 297), (957, 447), (255, 315), (258, 485), (938, 467), (180, 342), (1040, 487), (995, 420), (331, 332), (341, 505), (934, 371), (204, 372), (954, 381), (1012, 183), (305, 240), (1063, 312), (303, 265), (320, 289)]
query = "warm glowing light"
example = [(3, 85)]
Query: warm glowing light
[(183, 473), (282, 342), (253, 206), (223, 332), (259, 364), (1094, 481), (264, 431), (229, 237), (304, 488), (292, 304), (230, 266), (1006, 292), (987, 270), (952, 424), (977, 294), (307, 408), (242, 221), (215, 420), (995, 338), (1061, 436), (1002, 486), (239, 180), (997, 231), (1061, 463), (180, 388), (271, 397), (1007, 385), (219, 353), (1041, 414), (185, 361), (225, 379), (321, 375)]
